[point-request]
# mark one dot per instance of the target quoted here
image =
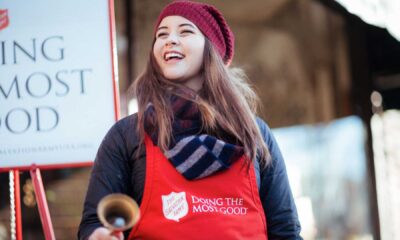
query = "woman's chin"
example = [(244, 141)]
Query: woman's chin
[(175, 78)]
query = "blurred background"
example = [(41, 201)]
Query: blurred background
[(328, 76)]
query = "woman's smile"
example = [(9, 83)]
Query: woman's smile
[(173, 56)]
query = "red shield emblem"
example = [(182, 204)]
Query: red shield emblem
[(175, 205), (3, 19)]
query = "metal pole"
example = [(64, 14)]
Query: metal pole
[(15, 206), (12, 206), (42, 203), (17, 194)]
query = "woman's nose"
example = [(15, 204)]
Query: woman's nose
[(172, 40)]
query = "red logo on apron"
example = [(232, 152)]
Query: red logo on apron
[(4, 19)]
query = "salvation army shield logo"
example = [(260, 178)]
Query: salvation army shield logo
[(175, 206), (4, 19)]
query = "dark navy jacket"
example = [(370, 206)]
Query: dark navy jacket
[(117, 169)]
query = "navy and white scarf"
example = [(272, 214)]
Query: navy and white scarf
[(194, 153)]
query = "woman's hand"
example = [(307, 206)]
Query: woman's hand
[(103, 233)]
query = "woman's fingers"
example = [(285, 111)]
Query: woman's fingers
[(118, 235), (103, 233)]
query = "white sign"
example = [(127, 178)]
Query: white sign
[(57, 97)]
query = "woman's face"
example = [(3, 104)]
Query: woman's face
[(178, 50)]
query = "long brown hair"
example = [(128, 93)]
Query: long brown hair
[(226, 101)]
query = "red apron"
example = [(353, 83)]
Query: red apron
[(225, 205)]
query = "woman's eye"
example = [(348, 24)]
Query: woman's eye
[(186, 31), (161, 34)]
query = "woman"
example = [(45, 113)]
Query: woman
[(195, 157)]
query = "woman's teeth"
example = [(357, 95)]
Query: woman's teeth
[(169, 56)]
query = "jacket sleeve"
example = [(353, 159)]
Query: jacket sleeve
[(110, 174), (275, 193)]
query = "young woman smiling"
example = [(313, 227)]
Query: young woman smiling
[(195, 156)]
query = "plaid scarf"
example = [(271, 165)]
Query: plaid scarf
[(194, 153)]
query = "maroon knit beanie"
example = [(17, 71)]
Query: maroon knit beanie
[(209, 20)]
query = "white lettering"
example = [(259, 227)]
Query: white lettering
[(208, 201), (233, 210)]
